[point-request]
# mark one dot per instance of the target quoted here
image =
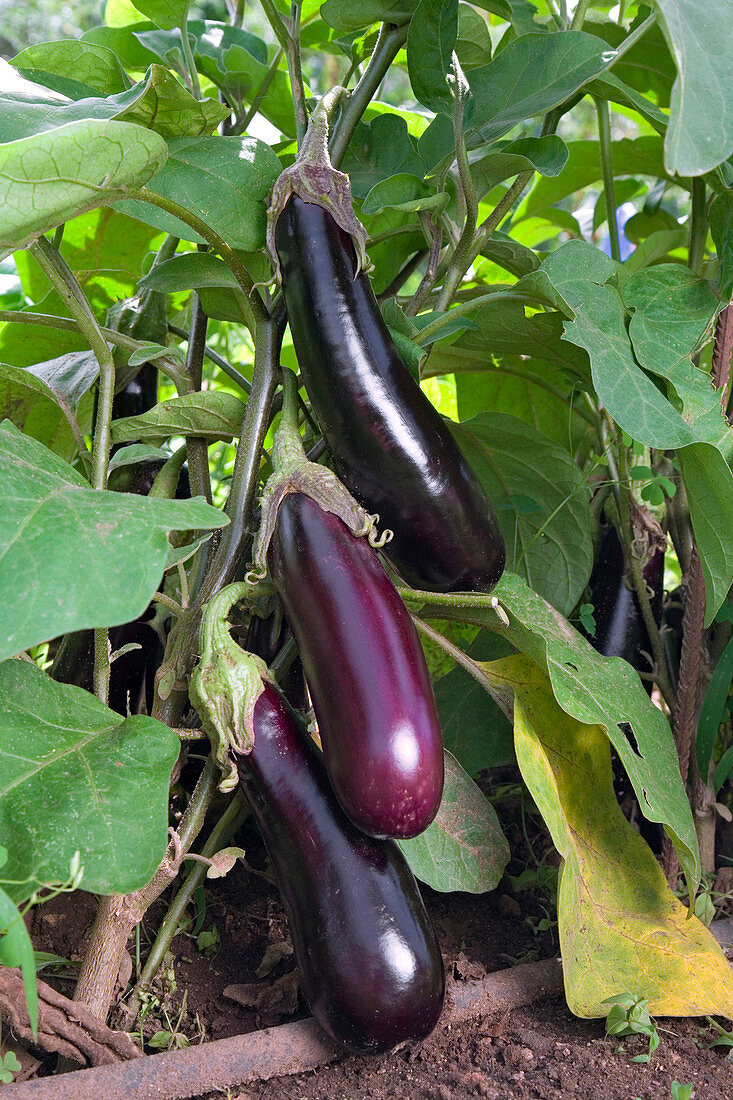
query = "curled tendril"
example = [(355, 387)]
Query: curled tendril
[(499, 610), (375, 539), (255, 574)]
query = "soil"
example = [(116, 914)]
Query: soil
[(240, 977)]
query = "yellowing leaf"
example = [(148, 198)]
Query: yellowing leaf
[(621, 928)]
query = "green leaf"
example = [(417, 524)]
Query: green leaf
[(700, 134), (523, 395), (380, 149), (608, 86), (134, 453), (189, 271), (430, 44), (550, 544), (16, 949), (123, 41), (63, 543), (533, 74), (721, 227), (166, 13), (348, 16), (464, 848), (403, 192), (91, 65), (709, 484), (582, 277), (594, 690), (224, 180), (620, 926), (51, 177), (474, 729), (546, 155), (76, 777), (474, 41), (211, 414), (36, 410), (503, 330)]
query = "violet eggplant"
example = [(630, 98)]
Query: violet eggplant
[(365, 668), (369, 963), (390, 446)]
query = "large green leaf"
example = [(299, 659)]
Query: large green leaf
[(536, 393), (34, 408), (380, 149), (595, 690), (533, 74), (709, 484), (189, 271), (51, 177), (71, 60), (700, 134), (76, 777), (721, 227), (621, 928), (464, 848), (541, 501), (502, 330), (159, 102), (211, 414), (74, 557), (224, 180), (353, 15), (166, 13), (430, 44)]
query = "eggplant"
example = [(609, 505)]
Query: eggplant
[(389, 445), (266, 636), (369, 962), (365, 668)]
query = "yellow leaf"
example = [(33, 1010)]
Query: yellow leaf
[(621, 927)]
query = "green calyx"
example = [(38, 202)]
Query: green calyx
[(314, 179), (294, 473), (226, 684)]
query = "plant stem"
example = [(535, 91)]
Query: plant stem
[(393, 288), (226, 827), (579, 15), (634, 567), (630, 41), (188, 56), (267, 80), (62, 280), (235, 537), (698, 225), (118, 914), (462, 255), (425, 335), (722, 352), (230, 258), (197, 448), (604, 134), (503, 701), (688, 690), (388, 44), (296, 72), (434, 232)]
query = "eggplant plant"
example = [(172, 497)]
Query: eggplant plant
[(493, 243)]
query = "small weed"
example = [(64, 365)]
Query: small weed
[(629, 1015), (9, 1065), (681, 1092), (208, 942)]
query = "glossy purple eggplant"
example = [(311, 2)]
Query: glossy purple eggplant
[(369, 963), (390, 446), (365, 668)]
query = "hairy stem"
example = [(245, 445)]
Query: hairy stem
[(722, 352), (197, 447), (604, 133), (688, 691), (226, 827), (435, 234), (698, 225), (388, 45)]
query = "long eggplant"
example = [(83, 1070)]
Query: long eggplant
[(369, 963), (390, 446), (365, 668)]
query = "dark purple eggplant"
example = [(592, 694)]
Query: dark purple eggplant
[(620, 627), (139, 395), (369, 963), (365, 668), (390, 446), (267, 634)]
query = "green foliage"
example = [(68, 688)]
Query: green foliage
[(486, 191)]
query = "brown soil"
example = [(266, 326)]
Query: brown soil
[(540, 1052)]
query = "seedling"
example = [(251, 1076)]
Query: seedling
[(9, 1065), (629, 1015)]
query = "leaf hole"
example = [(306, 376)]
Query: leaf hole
[(569, 664), (630, 736)]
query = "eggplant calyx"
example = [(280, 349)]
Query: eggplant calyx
[(226, 684), (294, 473), (314, 179)]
